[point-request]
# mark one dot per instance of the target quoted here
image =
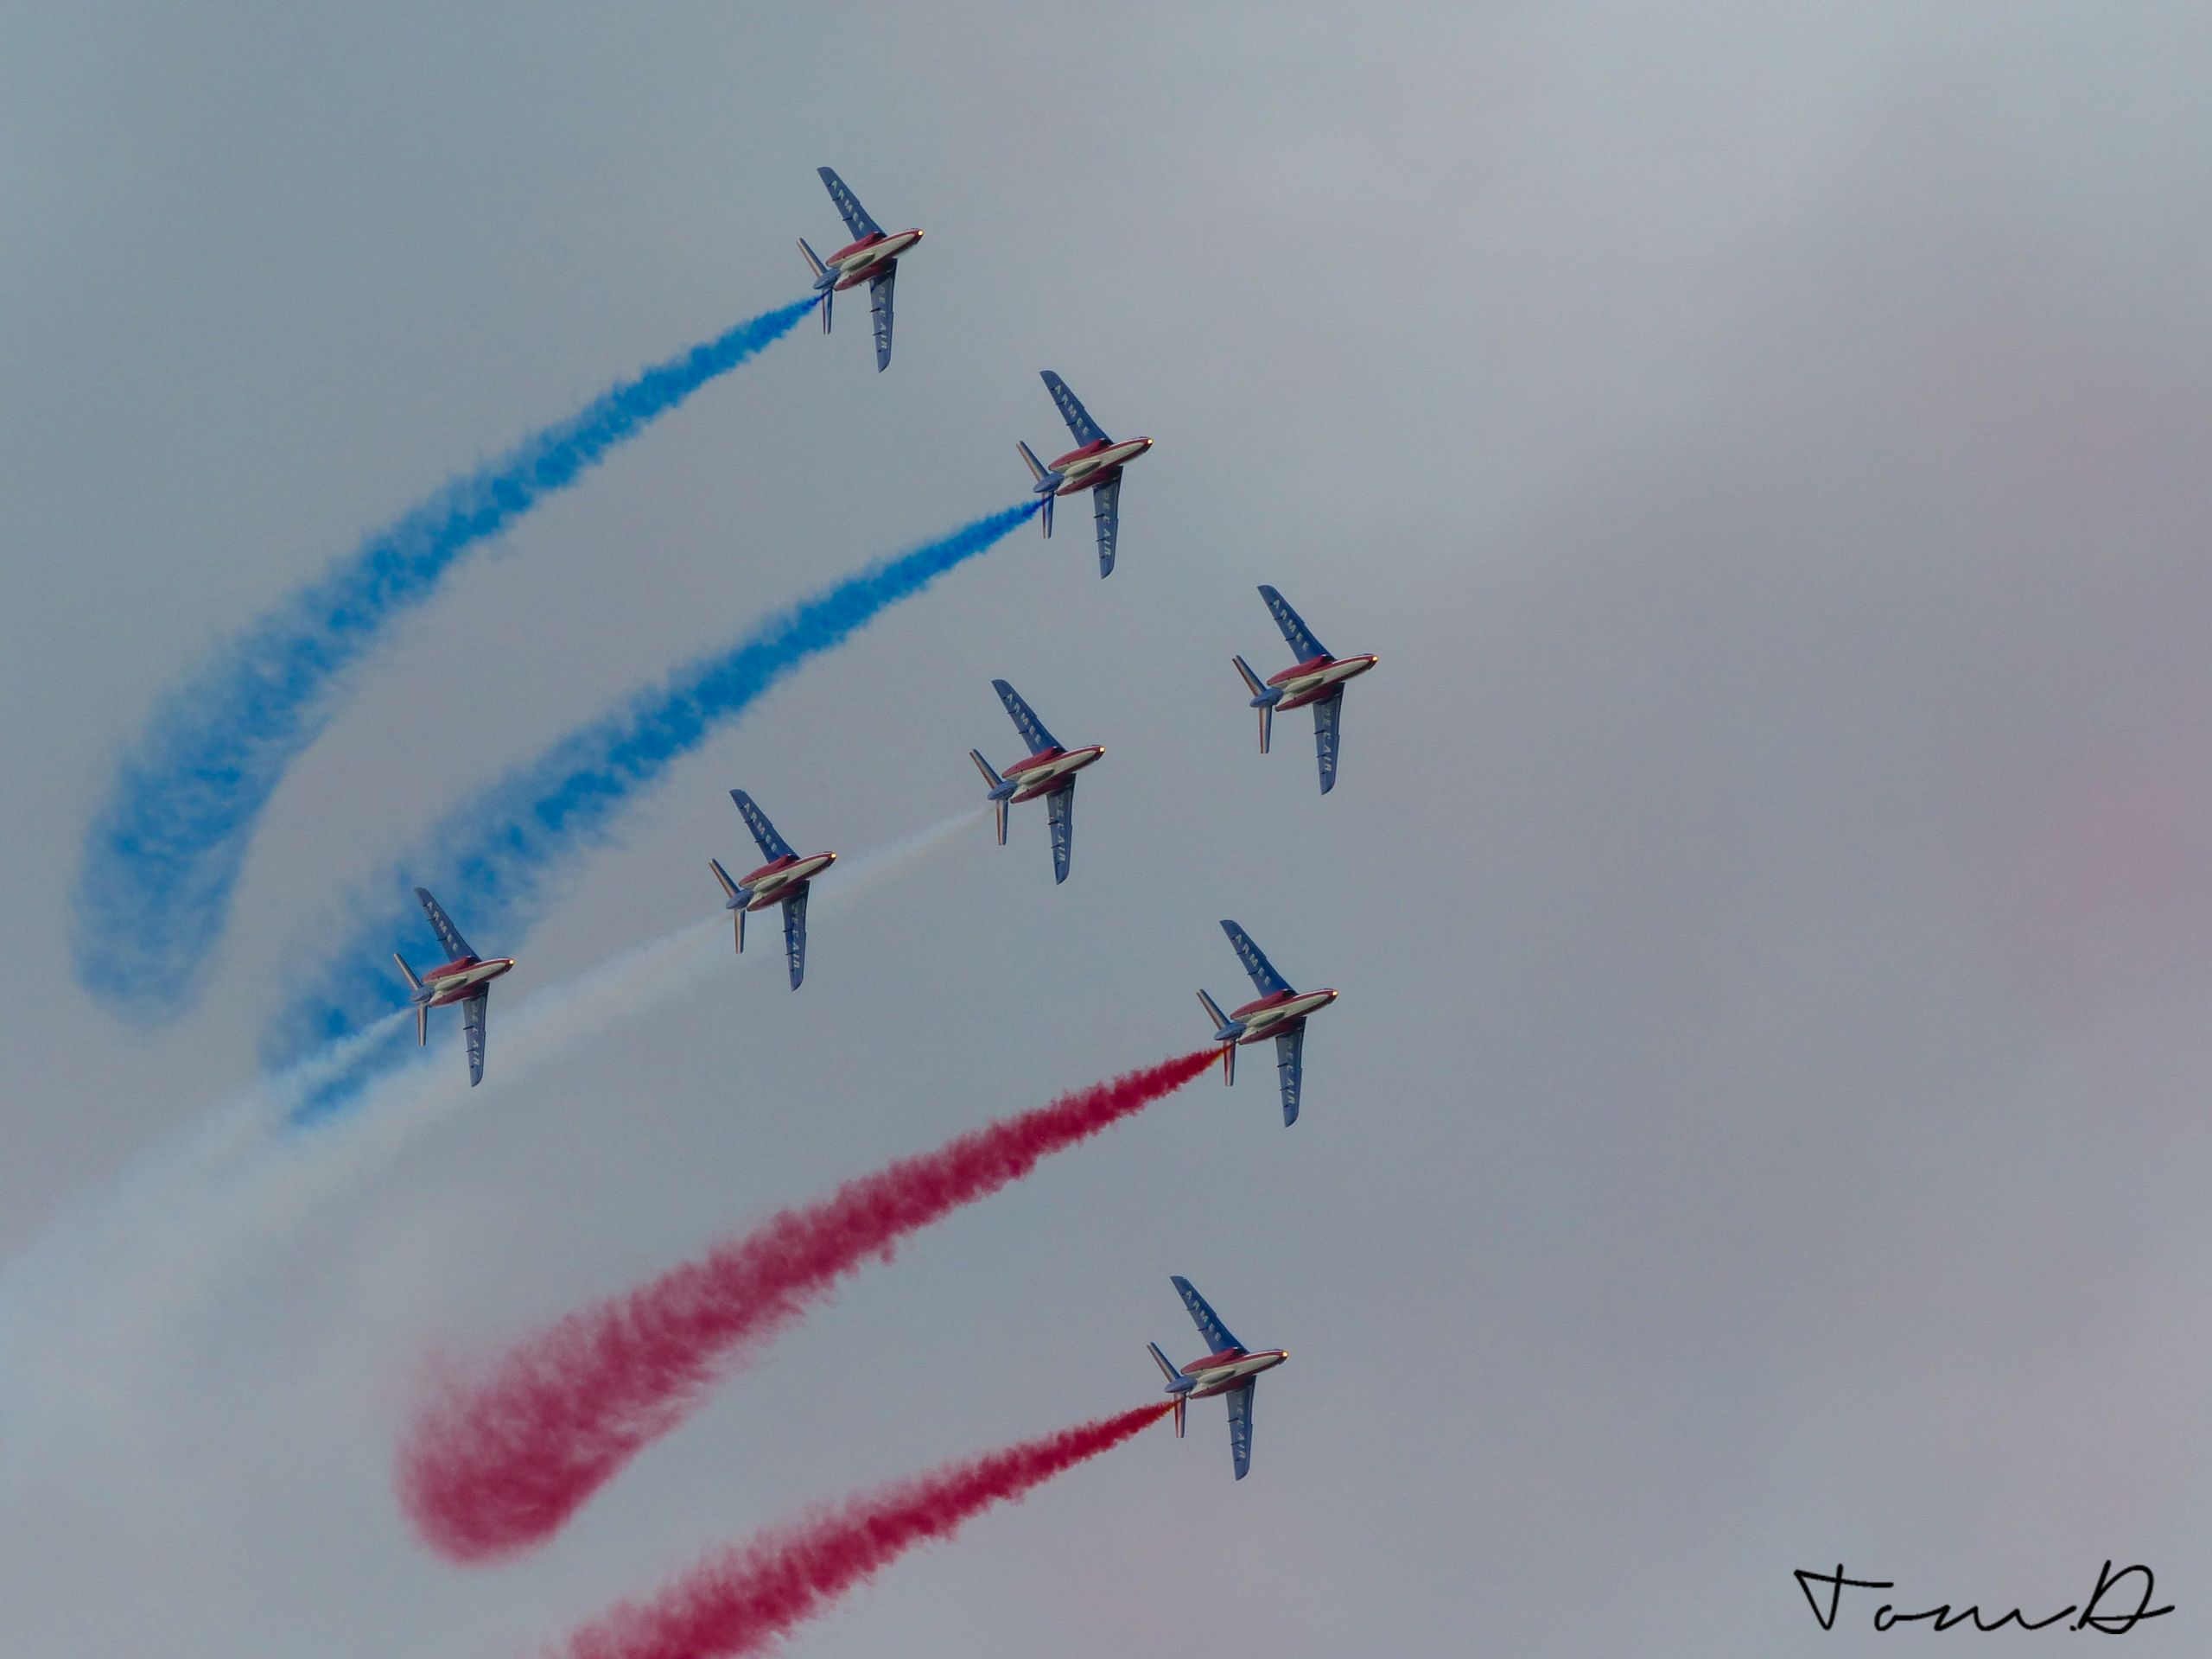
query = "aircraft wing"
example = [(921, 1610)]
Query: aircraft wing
[(1265, 979), (772, 846), (1085, 429), (1025, 719), (1240, 1426), (441, 924), (1327, 715), (1296, 633), (795, 934), (878, 309), (1290, 1068), (1203, 1316), (1106, 508), (473, 1009), (1059, 806), (856, 216)]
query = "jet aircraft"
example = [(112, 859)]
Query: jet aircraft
[(465, 979), (1279, 1012), (871, 256), (784, 880), (1048, 770), (1230, 1368), (1316, 678), (1095, 464)]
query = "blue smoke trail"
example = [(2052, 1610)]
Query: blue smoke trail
[(162, 856), (488, 859)]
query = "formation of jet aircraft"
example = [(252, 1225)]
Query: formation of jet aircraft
[(1228, 1368), (784, 880), (1048, 770), (466, 978), (1316, 680)]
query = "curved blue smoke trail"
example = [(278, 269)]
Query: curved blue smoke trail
[(488, 859), (160, 859)]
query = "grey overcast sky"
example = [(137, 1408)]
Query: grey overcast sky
[(1771, 879)]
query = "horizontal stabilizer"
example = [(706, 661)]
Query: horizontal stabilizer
[(813, 260), (407, 973), (729, 888), (1036, 472), (1252, 682), (990, 777)]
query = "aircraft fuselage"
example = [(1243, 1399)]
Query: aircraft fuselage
[(1048, 770), (1307, 682), (1226, 1371), (1095, 463), (857, 262), (1272, 1015), (452, 981), (773, 883)]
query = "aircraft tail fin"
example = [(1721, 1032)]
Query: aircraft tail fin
[(821, 281), (1213, 1012), (1223, 1032), (1161, 1360), (407, 973), (1261, 700), (1000, 793)]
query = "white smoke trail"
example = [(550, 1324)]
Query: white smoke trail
[(88, 1308)]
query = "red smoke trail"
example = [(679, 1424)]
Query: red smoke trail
[(497, 1463), (739, 1600)]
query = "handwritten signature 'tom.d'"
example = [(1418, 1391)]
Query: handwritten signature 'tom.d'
[(2117, 1620)]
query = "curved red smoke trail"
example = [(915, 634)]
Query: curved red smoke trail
[(496, 1464), (739, 1600)]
